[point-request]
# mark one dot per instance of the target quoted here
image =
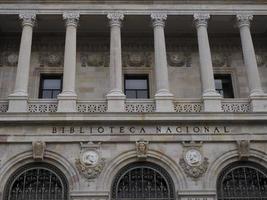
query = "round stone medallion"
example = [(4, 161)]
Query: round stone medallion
[(193, 157), (90, 157)]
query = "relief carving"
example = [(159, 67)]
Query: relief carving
[(178, 59), (243, 149), (51, 59), (193, 162), (38, 150), (261, 59), (9, 59), (141, 148), (90, 163), (137, 59), (219, 60), (93, 59)]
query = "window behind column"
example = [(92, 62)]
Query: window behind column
[(50, 86), (223, 85), (136, 86)]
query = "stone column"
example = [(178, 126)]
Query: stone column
[(211, 99), (67, 99), (115, 97), (18, 100), (257, 96), (163, 97)]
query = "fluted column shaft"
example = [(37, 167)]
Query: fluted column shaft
[(249, 55), (211, 98), (115, 97), (18, 100), (67, 99)]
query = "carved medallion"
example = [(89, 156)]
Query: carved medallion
[(260, 59), (51, 59), (141, 148), (219, 60), (90, 164), (176, 59), (193, 161), (92, 59)]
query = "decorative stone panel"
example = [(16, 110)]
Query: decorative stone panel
[(137, 59), (51, 59), (179, 59)]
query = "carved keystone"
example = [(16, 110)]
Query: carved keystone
[(243, 149), (38, 150)]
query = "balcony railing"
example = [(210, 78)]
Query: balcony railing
[(236, 105), (92, 106), (188, 105), (42, 105), (3, 106), (132, 105), (142, 105)]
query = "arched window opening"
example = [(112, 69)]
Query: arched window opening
[(37, 181), (243, 180), (140, 181)]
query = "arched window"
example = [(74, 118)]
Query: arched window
[(140, 181), (37, 181), (243, 180)]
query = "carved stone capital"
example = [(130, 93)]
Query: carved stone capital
[(115, 18), (243, 20), (201, 19), (71, 18), (158, 19), (28, 18)]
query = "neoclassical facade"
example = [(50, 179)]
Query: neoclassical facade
[(133, 100)]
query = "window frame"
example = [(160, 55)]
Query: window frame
[(45, 76), (226, 76), (136, 77)]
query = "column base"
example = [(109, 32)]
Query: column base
[(116, 101), (18, 102), (67, 102), (164, 102), (258, 102), (212, 102)]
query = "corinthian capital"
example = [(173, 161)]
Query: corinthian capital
[(201, 19), (244, 19), (28, 18), (71, 18), (158, 19), (115, 18)]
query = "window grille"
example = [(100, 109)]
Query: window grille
[(244, 181), (141, 181), (36, 183)]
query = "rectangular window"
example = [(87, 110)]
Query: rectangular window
[(223, 85), (136, 86), (50, 86)]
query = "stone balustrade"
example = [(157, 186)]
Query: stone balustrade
[(3, 106), (42, 106), (236, 105), (188, 105)]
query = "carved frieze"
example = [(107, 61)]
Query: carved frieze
[(219, 59), (141, 148), (51, 59), (193, 162), (178, 59), (90, 163), (94, 59), (137, 59), (9, 59), (261, 59)]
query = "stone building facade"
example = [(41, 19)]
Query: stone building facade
[(133, 100)]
